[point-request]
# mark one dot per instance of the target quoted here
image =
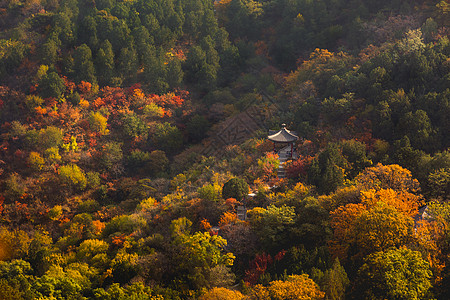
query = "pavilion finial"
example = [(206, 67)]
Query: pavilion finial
[(283, 125)]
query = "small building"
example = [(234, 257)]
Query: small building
[(241, 212), (283, 136)]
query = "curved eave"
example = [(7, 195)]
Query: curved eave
[(283, 136)]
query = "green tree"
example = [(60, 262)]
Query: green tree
[(418, 128), (133, 126), (155, 69), (12, 54), (273, 225), (50, 137), (439, 184), (142, 40), (394, 274), (333, 282), (198, 70), (105, 63), (196, 255), (327, 171), (157, 162), (355, 153), (87, 32), (111, 157), (147, 163), (167, 137), (128, 62), (197, 127), (64, 27), (175, 74), (236, 188), (83, 65), (73, 176), (51, 85), (49, 52)]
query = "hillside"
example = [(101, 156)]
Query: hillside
[(132, 133)]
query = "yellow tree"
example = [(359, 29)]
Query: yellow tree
[(388, 177), (98, 123), (295, 287), (432, 236), (220, 293), (404, 202)]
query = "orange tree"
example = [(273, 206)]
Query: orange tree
[(295, 287), (382, 220)]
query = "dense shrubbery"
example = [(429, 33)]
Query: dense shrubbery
[(107, 109)]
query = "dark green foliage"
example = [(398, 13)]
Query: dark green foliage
[(202, 64), (157, 162), (137, 159), (105, 63), (87, 32), (64, 28), (355, 153), (49, 53), (151, 163), (438, 183), (83, 65), (299, 259), (197, 127), (127, 62), (74, 98), (311, 223), (142, 41), (51, 85), (89, 208), (235, 188), (155, 70), (167, 137), (175, 74), (327, 171), (12, 54)]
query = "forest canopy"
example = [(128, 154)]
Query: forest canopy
[(135, 164)]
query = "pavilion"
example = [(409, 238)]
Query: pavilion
[(283, 136)]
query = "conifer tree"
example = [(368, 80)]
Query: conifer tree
[(83, 65), (105, 63)]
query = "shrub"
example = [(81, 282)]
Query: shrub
[(73, 176)]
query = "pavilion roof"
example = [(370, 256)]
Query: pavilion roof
[(283, 136)]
